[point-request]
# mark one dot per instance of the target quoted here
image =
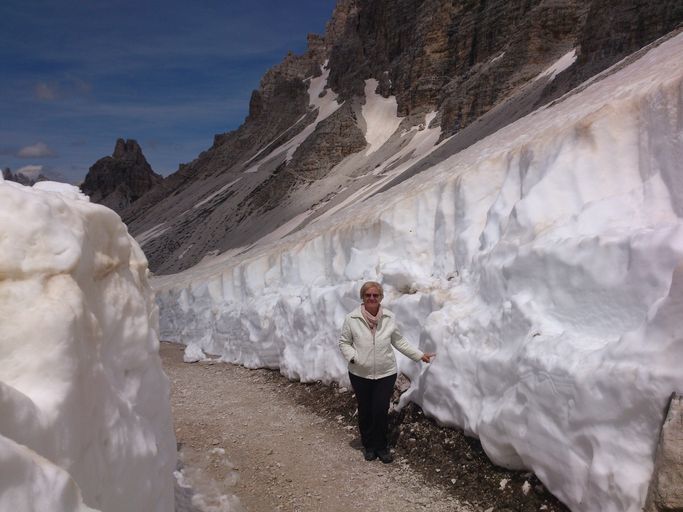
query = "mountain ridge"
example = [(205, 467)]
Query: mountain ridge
[(463, 68)]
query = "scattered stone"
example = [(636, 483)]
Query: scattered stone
[(666, 486), (402, 383)]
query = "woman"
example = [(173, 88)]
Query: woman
[(366, 340)]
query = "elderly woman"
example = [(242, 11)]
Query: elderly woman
[(366, 339)]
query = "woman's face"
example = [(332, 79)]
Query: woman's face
[(372, 297)]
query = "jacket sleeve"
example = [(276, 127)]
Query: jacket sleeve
[(405, 348), (346, 342)]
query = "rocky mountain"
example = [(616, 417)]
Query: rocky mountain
[(119, 180), (391, 88), (19, 177)]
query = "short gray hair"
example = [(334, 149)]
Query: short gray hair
[(371, 284)]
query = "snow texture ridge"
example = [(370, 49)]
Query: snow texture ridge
[(543, 265), (85, 419)]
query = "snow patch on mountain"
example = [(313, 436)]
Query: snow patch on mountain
[(420, 142), (559, 66), (152, 233), (380, 115), (325, 104)]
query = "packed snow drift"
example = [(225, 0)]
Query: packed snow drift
[(543, 265), (85, 417)]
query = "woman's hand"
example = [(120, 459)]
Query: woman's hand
[(427, 357)]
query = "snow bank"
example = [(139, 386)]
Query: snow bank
[(544, 266), (84, 404)]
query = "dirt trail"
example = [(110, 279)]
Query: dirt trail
[(254, 448)]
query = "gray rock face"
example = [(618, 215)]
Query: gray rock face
[(666, 486), (612, 30), (474, 60), (121, 179), (463, 58), (616, 28), (460, 58), (335, 138)]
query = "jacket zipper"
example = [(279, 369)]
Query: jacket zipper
[(374, 355)]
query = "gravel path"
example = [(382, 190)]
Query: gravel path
[(245, 445)]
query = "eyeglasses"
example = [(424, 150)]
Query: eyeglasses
[(372, 295)]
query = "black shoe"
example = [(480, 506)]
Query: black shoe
[(385, 456), (369, 454)]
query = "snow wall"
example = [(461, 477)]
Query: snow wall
[(543, 265), (85, 416)]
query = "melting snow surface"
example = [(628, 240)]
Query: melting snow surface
[(546, 263), (85, 416), (202, 493), (380, 116)]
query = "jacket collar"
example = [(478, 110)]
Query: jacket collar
[(356, 313)]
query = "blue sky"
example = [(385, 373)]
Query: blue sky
[(78, 74)]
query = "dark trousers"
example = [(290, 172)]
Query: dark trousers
[(373, 409)]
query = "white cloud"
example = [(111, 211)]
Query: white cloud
[(37, 150), (30, 171), (46, 92), (67, 88)]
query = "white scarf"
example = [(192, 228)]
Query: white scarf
[(371, 320)]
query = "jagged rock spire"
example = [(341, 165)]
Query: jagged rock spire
[(117, 181)]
